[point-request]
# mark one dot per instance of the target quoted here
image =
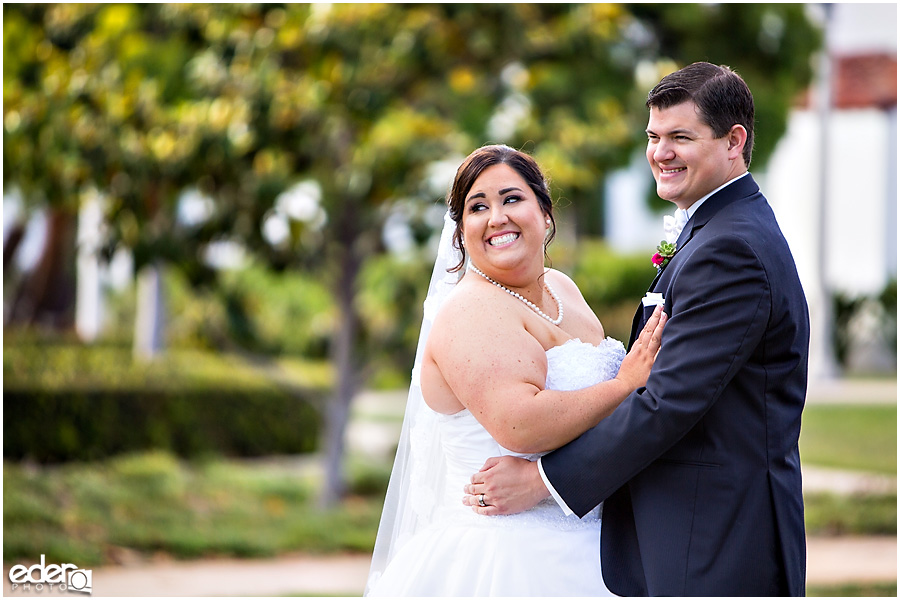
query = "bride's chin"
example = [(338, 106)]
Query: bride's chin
[(500, 271)]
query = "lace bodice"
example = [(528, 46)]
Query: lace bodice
[(467, 445)]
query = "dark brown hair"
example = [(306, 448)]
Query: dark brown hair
[(474, 165), (722, 97)]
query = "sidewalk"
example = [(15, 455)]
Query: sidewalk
[(836, 560), (821, 479), (864, 391), (288, 575)]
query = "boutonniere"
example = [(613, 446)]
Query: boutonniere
[(664, 253)]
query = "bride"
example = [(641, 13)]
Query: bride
[(501, 368)]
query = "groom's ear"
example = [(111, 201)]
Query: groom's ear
[(737, 138)]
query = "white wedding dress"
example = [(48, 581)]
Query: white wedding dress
[(540, 552)]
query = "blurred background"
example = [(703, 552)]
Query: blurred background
[(219, 222)]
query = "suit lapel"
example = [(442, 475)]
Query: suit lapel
[(742, 188), (686, 234), (636, 324)]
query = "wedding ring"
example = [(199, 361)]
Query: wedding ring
[(481, 500)]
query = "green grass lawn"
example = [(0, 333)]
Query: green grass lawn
[(152, 502), (855, 437), (857, 514), (888, 590), (858, 436)]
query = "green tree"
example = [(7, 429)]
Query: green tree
[(41, 159), (344, 108)]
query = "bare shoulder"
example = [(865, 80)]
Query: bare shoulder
[(564, 286), (581, 321), (464, 304), (561, 282), (476, 342), (465, 318)]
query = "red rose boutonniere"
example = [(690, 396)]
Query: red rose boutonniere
[(664, 253)]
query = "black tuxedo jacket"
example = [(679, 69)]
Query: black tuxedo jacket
[(699, 471)]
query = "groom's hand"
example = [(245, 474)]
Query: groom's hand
[(508, 484)]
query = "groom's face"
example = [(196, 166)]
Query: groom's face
[(686, 158)]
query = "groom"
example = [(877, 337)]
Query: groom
[(699, 471)]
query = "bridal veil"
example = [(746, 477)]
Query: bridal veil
[(418, 472)]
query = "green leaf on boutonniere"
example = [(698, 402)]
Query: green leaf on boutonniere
[(664, 252)]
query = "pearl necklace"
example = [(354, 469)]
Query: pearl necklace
[(530, 304)]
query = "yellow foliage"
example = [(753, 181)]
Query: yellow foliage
[(604, 19), (401, 129), (114, 18), (162, 143), (270, 162), (462, 80)]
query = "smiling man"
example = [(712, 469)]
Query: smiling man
[(699, 471), (687, 157)]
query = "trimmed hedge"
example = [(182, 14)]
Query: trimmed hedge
[(48, 426), (66, 401)]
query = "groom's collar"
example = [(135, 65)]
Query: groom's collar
[(693, 207), (739, 187)]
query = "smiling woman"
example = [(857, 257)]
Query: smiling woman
[(505, 227), (523, 176)]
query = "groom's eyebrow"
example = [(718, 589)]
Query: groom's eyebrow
[(679, 131)]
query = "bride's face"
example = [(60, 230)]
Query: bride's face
[(503, 224)]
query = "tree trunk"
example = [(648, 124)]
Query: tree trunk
[(343, 357), (150, 314), (12, 243), (12, 279), (47, 294), (89, 291), (149, 318)]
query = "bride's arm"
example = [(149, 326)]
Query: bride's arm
[(497, 370)]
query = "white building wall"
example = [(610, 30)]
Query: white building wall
[(859, 223), (861, 28), (858, 201), (630, 224), (860, 215)]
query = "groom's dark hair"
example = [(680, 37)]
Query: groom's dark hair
[(722, 97)]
